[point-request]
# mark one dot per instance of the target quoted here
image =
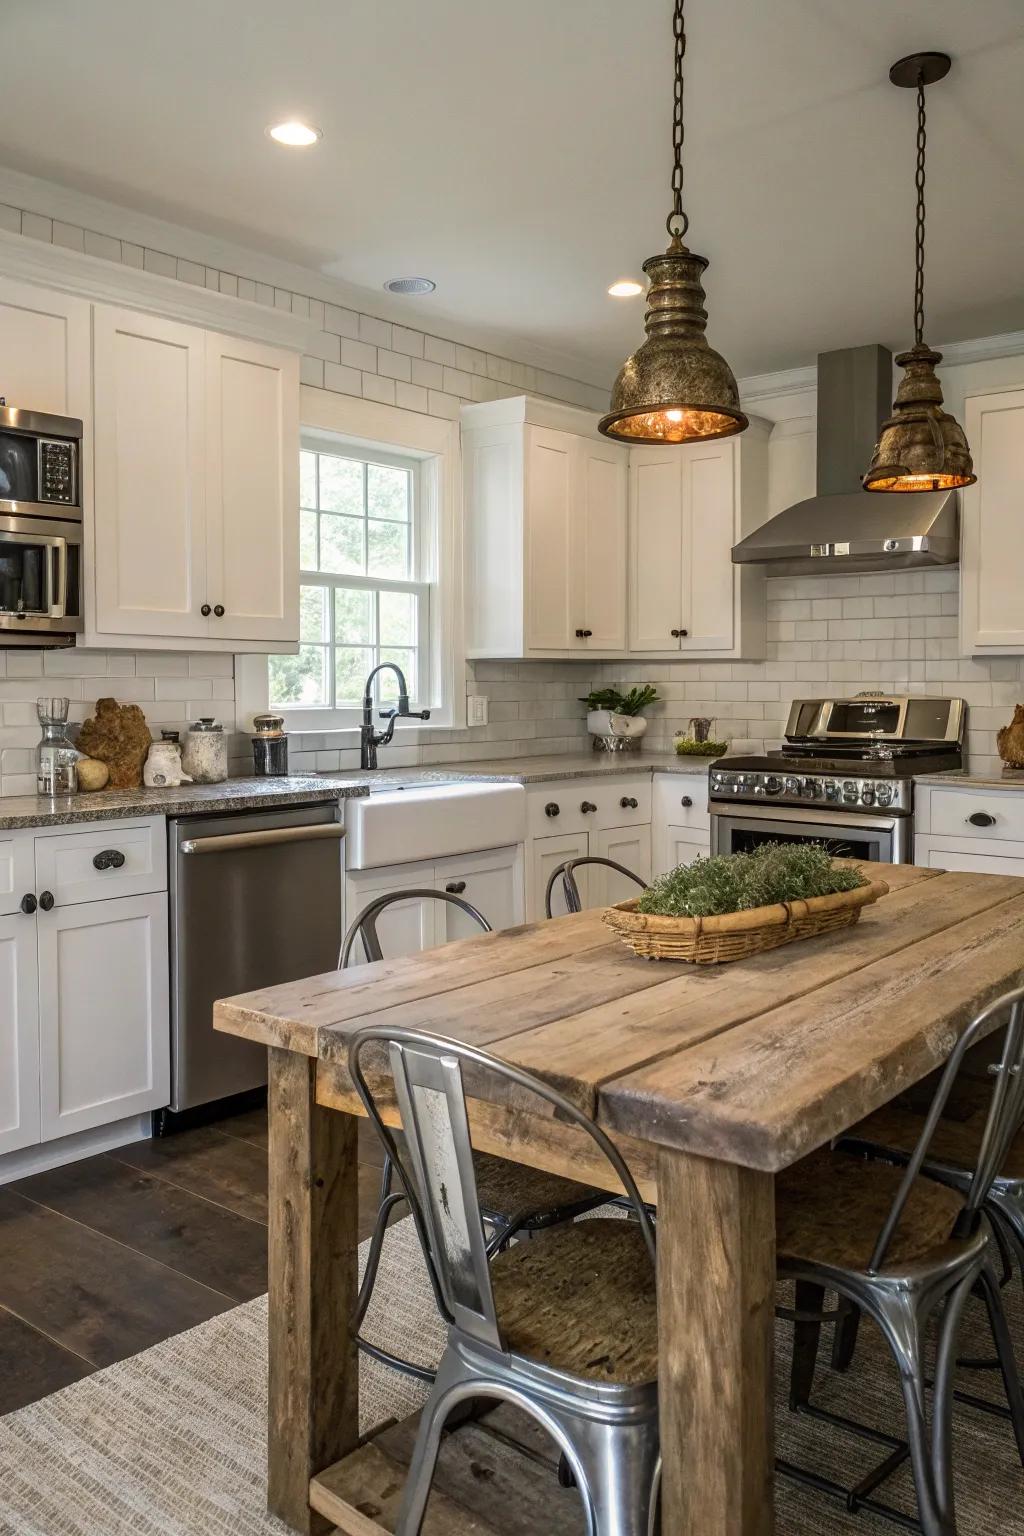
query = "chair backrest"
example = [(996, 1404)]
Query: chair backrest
[(427, 1071), (364, 925), (567, 874), (1003, 1119)]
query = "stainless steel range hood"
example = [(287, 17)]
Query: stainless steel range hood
[(843, 528)]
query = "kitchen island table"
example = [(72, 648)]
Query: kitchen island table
[(711, 1080)]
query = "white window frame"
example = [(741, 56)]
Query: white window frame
[(336, 422)]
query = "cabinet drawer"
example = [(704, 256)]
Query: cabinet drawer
[(16, 870), (566, 799), (952, 811), (681, 800), (97, 862), (956, 854)]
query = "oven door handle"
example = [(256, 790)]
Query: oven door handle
[(230, 841), (59, 596)]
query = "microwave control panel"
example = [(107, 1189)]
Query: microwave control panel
[(57, 479)]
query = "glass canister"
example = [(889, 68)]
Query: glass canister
[(204, 756), (56, 756), (269, 746)]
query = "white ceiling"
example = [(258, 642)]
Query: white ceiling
[(518, 153)]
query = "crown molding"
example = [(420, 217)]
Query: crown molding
[(985, 349), (106, 282), (789, 381)]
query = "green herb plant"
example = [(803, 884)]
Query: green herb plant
[(736, 882), (632, 703)]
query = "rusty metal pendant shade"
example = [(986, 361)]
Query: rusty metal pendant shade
[(921, 447), (675, 388)]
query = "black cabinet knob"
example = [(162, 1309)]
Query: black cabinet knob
[(587, 634), (982, 819), (110, 858), (218, 611), (586, 806), (687, 801), (28, 905), (628, 803), (455, 887), (552, 808), (206, 610), (580, 633), (46, 901)]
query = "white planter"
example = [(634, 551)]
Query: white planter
[(618, 732)]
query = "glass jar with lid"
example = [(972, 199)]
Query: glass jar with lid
[(204, 755), (56, 756)]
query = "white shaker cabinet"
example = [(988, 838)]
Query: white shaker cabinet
[(195, 505), (44, 350), (688, 506), (19, 1034), (991, 607), (545, 509)]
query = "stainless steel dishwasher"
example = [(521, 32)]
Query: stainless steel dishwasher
[(255, 899)]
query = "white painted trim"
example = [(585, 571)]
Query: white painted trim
[(791, 381), (795, 426), (532, 410), (71, 1149), (105, 282)]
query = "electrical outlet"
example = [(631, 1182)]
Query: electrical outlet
[(476, 709)]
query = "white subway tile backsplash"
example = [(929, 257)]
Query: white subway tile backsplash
[(357, 354)]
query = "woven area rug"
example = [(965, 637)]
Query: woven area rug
[(172, 1442)]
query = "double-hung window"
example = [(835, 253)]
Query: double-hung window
[(365, 594)]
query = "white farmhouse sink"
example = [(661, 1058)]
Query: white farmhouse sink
[(431, 821)]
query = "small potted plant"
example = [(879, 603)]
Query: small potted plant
[(615, 720)]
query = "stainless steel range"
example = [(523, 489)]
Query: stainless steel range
[(845, 777)]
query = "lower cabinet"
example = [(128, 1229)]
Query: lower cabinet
[(84, 1029), (546, 854), (490, 881), (969, 827), (682, 824), (677, 846), (628, 846)]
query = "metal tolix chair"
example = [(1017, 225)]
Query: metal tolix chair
[(567, 874), (565, 1326), (933, 1249), (513, 1199)]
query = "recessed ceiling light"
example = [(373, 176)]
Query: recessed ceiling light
[(626, 288), (295, 134), (410, 285)]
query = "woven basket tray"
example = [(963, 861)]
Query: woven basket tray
[(734, 935)]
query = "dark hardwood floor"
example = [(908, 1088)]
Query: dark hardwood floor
[(107, 1256)]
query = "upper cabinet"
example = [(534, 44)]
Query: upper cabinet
[(195, 520), (577, 546), (688, 506), (44, 356), (991, 610), (545, 502)]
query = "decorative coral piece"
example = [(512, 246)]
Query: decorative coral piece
[(119, 736), (1010, 740)]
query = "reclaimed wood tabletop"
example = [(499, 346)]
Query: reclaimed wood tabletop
[(710, 1079)]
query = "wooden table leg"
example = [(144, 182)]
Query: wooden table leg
[(314, 1374), (716, 1295)]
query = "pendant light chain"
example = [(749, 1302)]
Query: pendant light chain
[(678, 222), (922, 144)]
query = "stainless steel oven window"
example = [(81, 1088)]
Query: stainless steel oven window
[(884, 840)]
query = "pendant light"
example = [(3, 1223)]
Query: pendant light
[(921, 447), (675, 388)]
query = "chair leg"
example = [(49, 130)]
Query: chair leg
[(433, 1419), (619, 1466), (844, 1340), (809, 1304), (1005, 1351)]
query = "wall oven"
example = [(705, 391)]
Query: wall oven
[(40, 528)]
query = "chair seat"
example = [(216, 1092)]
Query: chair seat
[(582, 1300), (957, 1141), (508, 1190), (830, 1208)]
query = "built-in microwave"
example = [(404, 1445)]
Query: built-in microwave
[(40, 528)]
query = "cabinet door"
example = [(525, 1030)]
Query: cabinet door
[(598, 559), (404, 928), (150, 500), (491, 882), (104, 1028), (992, 614), (545, 856), (708, 575), (17, 869), (932, 854), (628, 846), (656, 549), (675, 846), (548, 492), (252, 477), (19, 1033), (44, 360)]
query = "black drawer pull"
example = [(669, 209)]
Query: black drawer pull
[(206, 610), (586, 806), (110, 858), (46, 901), (686, 801), (579, 634), (680, 634), (982, 819), (218, 610), (455, 887), (28, 904), (552, 808), (628, 803)]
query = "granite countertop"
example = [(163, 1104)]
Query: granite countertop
[(962, 778), (302, 789)]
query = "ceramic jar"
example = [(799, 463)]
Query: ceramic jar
[(162, 768), (205, 753)]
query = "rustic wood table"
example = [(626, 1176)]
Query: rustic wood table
[(711, 1079)]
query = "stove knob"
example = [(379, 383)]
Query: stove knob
[(867, 794), (811, 788), (772, 784), (885, 794), (792, 786), (832, 790), (849, 791)]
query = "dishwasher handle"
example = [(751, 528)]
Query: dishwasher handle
[(228, 842)]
